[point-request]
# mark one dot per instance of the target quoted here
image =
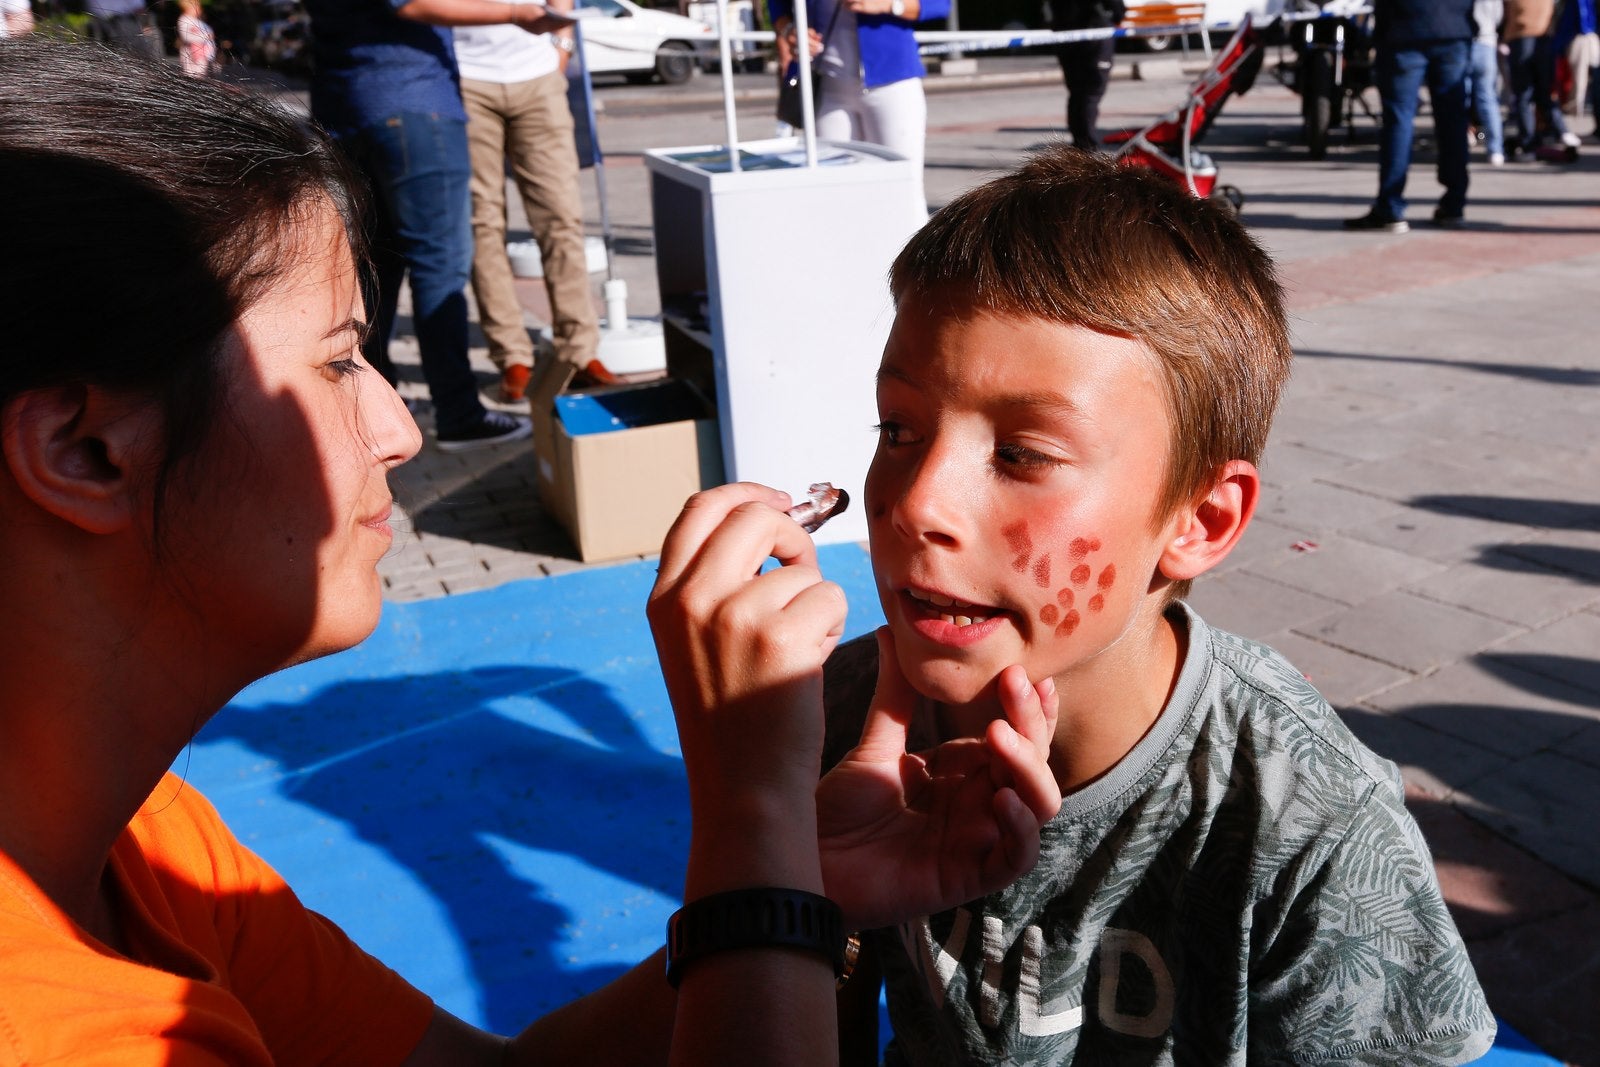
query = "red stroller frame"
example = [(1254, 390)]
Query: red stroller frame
[(1166, 146)]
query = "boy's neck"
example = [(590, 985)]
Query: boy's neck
[(1110, 703)]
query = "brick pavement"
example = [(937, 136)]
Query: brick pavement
[(1439, 446)]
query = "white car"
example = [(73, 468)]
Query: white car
[(620, 37)]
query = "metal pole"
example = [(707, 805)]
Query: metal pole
[(725, 54), (955, 24)]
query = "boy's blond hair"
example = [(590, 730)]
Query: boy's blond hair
[(1076, 238)]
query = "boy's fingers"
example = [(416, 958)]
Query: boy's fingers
[(1019, 765), (883, 737), (1018, 849)]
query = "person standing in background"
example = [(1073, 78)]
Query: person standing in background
[(125, 25), (197, 45), (16, 18), (1531, 64), (1086, 65), (1483, 77), (871, 72), (386, 87), (1417, 41), (514, 88)]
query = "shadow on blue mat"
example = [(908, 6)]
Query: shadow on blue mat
[(488, 794)]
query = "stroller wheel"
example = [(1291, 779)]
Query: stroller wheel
[(1229, 195)]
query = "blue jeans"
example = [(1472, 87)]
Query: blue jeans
[(1483, 86), (419, 172), (1532, 67), (1400, 73)]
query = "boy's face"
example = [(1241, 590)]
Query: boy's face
[(1009, 504)]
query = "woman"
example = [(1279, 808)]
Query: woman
[(193, 463), (871, 72)]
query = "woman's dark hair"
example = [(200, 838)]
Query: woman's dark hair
[(142, 212)]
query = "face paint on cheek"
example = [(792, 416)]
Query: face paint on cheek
[(1020, 543), (1041, 572), (1082, 546), (1080, 574), (1108, 577), (1068, 624), (1065, 596), (1049, 614)]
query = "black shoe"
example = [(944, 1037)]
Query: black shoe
[(1374, 221), (495, 428), (1447, 220)]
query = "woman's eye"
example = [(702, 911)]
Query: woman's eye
[(344, 368)]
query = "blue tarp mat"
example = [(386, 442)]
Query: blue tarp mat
[(488, 794)]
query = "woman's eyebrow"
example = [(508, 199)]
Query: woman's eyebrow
[(350, 325)]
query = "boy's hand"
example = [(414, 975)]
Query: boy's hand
[(905, 835), (742, 651)]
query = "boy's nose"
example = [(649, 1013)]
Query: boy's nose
[(931, 504)]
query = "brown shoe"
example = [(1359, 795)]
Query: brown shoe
[(594, 373), (514, 383)]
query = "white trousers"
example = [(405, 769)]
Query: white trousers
[(893, 115)]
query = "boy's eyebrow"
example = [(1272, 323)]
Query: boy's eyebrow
[(1054, 403)]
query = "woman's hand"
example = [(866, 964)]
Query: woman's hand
[(742, 654), (909, 9), (904, 835), (786, 40)]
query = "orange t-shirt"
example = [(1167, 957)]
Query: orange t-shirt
[(228, 967)]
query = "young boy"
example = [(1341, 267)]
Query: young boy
[(1075, 394)]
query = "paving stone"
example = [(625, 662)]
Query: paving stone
[(1571, 551), (1263, 540), (1409, 632), (1506, 586), (1345, 570), (1495, 705), (1565, 650), (1530, 802), (1343, 677), (1440, 535), (1491, 885), (1544, 978), (1435, 762), (1254, 607), (1322, 507), (1292, 462)]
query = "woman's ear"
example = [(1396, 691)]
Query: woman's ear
[(1208, 529), (77, 452)]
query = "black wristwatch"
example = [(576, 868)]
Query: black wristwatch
[(755, 918)]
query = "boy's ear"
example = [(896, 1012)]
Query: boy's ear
[(74, 450), (1207, 530)]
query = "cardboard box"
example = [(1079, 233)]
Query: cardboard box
[(616, 465)]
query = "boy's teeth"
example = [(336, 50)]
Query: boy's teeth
[(942, 601), (961, 620)]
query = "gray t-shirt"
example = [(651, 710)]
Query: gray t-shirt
[(1244, 887)]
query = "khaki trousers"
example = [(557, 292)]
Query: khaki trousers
[(529, 124)]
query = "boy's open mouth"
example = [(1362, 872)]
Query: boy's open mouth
[(948, 609)]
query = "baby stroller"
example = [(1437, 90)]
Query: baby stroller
[(1166, 146)]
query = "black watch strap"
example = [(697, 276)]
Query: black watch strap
[(755, 918)]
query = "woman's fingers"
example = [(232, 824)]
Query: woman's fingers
[(702, 515)]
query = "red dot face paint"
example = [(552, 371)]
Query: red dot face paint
[(1068, 624), (1097, 602), (1108, 577), (1041, 572), (1049, 614), (1017, 538), (1082, 546), (1064, 596), (1080, 574)]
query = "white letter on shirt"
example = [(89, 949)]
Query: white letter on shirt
[(1029, 1019), (1114, 944)]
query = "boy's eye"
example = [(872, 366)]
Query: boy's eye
[(1010, 454), (892, 433)]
